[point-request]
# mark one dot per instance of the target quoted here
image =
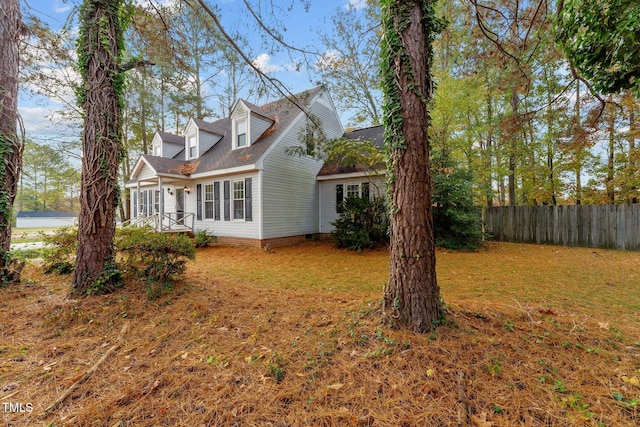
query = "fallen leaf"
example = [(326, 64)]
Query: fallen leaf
[(631, 380), (336, 386)]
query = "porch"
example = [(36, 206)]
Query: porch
[(167, 222)]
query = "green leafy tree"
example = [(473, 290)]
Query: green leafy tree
[(47, 175), (456, 217), (601, 39)]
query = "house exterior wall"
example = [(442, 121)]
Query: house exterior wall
[(327, 192), (145, 173), (242, 229), (290, 195)]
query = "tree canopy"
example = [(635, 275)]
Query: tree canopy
[(602, 39)]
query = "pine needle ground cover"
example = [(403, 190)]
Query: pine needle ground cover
[(535, 335)]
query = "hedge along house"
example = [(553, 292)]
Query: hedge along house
[(234, 177)]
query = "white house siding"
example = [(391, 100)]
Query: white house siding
[(258, 125), (290, 194), (145, 173), (206, 140), (327, 191), (231, 228)]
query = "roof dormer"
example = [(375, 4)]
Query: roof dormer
[(240, 126), (248, 124), (166, 144), (200, 136)]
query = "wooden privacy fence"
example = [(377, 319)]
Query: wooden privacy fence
[(597, 226)]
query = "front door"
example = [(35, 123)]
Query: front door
[(180, 206)]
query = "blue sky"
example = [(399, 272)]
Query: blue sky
[(298, 26)]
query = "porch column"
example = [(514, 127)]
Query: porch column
[(160, 205), (139, 196)]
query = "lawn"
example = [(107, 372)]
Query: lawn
[(535, 335)]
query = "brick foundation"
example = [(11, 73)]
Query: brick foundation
[(271, 243)]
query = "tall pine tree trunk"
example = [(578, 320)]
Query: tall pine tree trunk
[(99, 54), (11, 145), (411, 297)]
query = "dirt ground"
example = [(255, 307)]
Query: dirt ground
[(293, 337)]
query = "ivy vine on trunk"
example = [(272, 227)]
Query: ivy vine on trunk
[(412, 295), (11, 142), (100, 47)]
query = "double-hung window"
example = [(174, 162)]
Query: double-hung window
[(238, 199), (208, 201), (192, 147), (241, 133)]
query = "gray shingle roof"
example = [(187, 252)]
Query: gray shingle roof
[(171, 138), (221, 156)]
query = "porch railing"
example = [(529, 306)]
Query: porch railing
[(170, 222)]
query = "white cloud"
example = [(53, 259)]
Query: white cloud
[(59, 7), (46, 121), (263, 63), (356, 4)]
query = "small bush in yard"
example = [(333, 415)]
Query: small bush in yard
[(60, 251), (157, 258), (363, 223), (202, 239)]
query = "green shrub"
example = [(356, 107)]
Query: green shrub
[(457, 220), (157, 258), (202, 239), (362, 223), (60, 250)]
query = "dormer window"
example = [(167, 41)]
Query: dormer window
[(192, 147), (156, 150), (241, 133)]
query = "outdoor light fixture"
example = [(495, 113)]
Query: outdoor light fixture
[(169, 191), (187, 189)]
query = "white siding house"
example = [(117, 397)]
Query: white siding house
[(237, 179)]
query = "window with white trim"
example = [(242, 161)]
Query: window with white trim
[(238, 199), (353, 190), (192, 147), (208, 201), (156, 150), (241, 133)]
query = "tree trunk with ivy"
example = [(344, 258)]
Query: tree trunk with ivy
[(412, 296), (11, 145), (100, 47)]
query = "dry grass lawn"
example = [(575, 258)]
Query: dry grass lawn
[(535, 335)]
